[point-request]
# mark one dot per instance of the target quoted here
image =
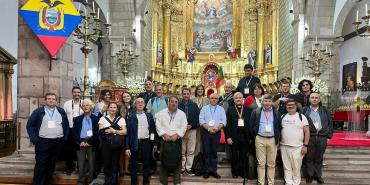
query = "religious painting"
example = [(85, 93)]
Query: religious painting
[(212, 25), (159, 54), (349, 77)]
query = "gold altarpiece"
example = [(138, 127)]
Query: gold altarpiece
[(254, 26)]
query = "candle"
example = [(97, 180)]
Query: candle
[(86, 1), (312, 49), (322, 46), (79, 7), (98, 12), (146, 74), (326, 50), (316, 40), (93, 6), (107, 17), (365, 9), (124, 41), (130, 47), (85, 10), (120, 47), (357, 16)]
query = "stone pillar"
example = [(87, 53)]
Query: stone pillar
[(260, 36), (167, 33), (8, 93), (2, 91), (106, 62), (36, 77)]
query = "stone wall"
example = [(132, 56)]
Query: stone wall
[(286, 39), (147, 37), (35, 77)]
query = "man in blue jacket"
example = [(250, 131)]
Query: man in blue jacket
[(85, 135), (321, 130), (48, 129), (265, 127), (191, 110), (140, 139)]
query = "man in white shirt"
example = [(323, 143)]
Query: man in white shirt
[(295, 136), (73, 109), (171, 124)]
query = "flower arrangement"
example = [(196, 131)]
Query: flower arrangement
[(318, 85)]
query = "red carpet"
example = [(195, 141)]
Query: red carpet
[(349, 139)]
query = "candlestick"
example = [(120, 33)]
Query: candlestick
[(79, 7), (316, 40), (357, 16), (85, 10), (93, 6), (98, 12)]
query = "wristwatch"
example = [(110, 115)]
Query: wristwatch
[(305, 145)]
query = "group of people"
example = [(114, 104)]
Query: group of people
[(112, 136)]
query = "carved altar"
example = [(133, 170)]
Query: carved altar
[(187, 33)]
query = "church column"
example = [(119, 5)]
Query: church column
[(260, 36), (2, 91), (275, 30), (167, 33), (8, 93)]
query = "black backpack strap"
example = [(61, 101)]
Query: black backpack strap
[(282, 117), (300, 116), (114, 122)]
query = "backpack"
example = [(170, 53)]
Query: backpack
[(300, 116), (171, 154), (115, 141), (199, 165)]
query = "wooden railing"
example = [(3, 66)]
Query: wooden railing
[(8, 137)]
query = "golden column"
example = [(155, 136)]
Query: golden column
[(8, 93), (275, 27), (167, 33), (260, 35)]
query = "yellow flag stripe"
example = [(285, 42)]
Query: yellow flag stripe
[(36, 5)]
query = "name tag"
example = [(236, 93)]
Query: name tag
[(268, 128), (246, 90), (211, 123), (152, 137), (240, 122), (89, 133), (51, 124)]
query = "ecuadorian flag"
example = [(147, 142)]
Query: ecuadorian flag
[(53, 21)]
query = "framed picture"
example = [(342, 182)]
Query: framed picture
[(349, 77)]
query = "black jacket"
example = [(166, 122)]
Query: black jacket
[(326, 122), (146, 96), (232, 130), (131, 141), (243, 84), (255, 123), (35, 121), (77, 126), (192, 115)]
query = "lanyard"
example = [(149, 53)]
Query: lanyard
[(172, 116), (267, 118), (214, 110), (248, 81), (50, 113), (241, 112), (79, 105)]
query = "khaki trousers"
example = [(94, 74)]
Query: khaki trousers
[(292, 160), (188, 147), (266, 150)]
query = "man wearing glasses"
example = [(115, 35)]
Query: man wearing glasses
[(295, 135), (248, 81)]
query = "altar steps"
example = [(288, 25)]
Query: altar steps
[(345, 165)]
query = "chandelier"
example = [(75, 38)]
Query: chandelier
[(318, 59), (365, 30)]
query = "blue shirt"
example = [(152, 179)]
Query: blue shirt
[(266, 127), (156, 105), (215, 114), (86, 126)]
